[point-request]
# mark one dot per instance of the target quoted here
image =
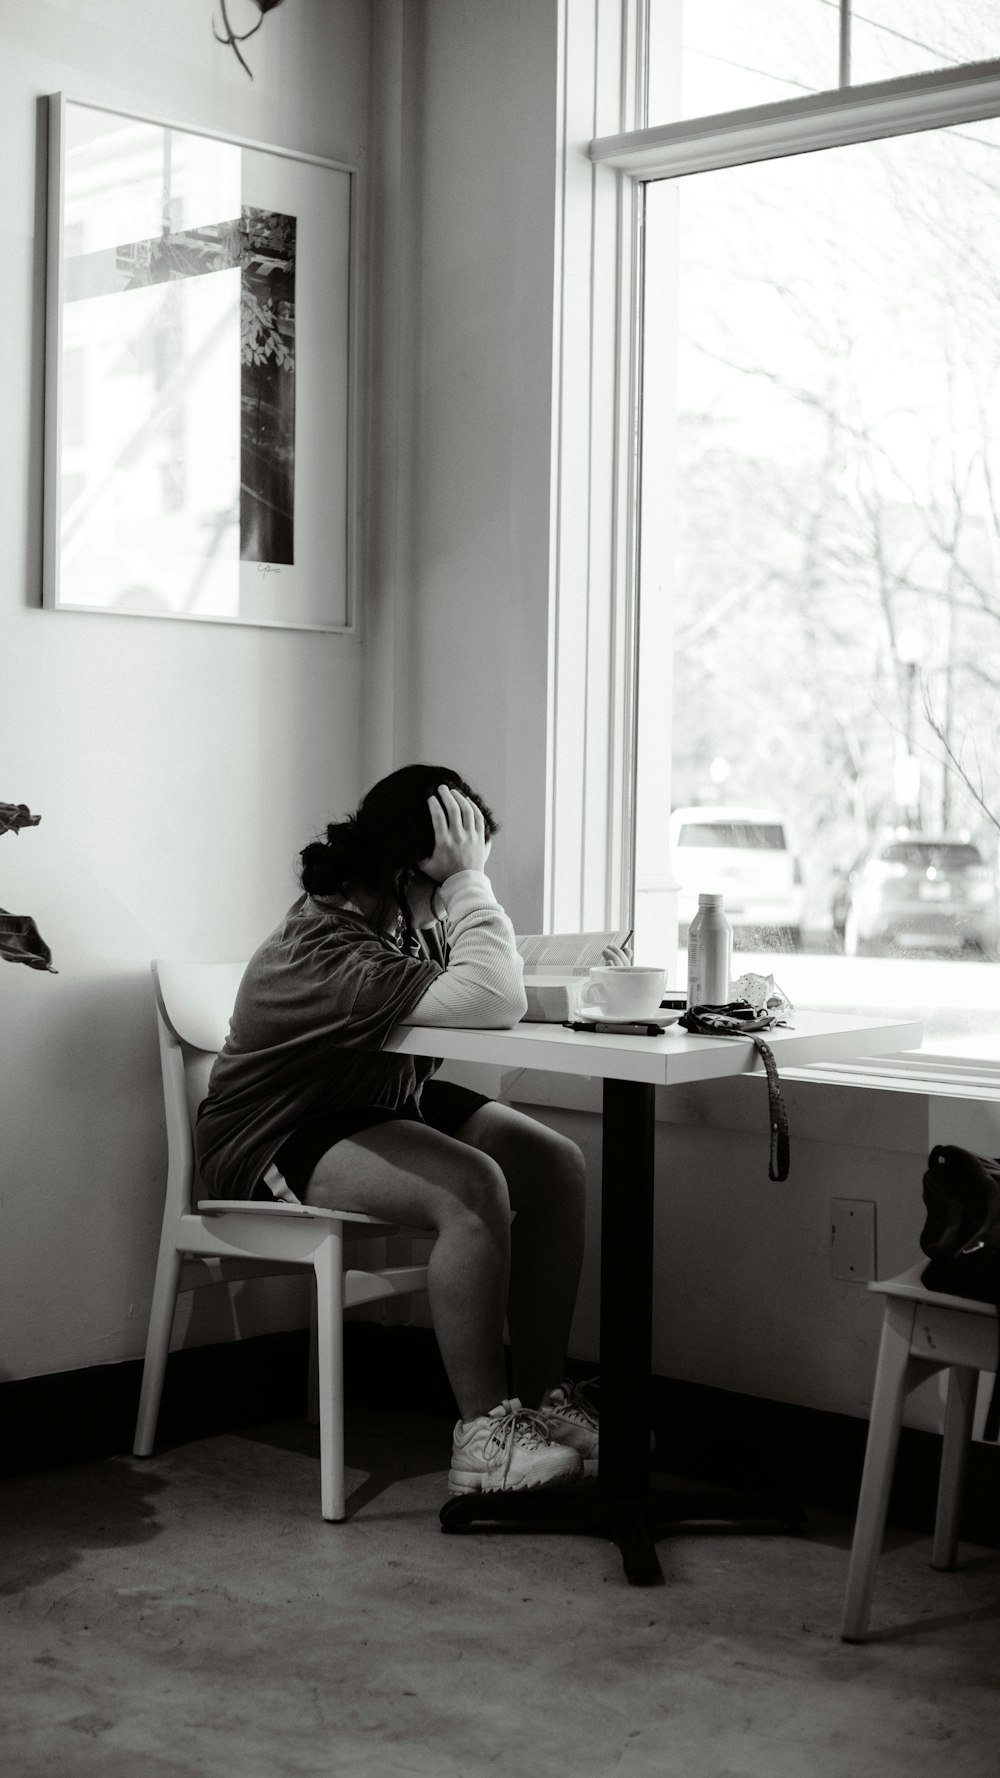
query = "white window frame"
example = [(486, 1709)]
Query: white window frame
[(607, 153), (901, 107), (592, 618)]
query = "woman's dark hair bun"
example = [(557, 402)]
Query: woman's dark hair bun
[(327, 865)]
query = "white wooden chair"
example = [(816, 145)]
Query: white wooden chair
[(923, 1331), (216, 1240)]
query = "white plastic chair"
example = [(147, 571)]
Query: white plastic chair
[(218, 1240), (923, 1331)]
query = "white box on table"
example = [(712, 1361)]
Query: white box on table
[(552, 998)]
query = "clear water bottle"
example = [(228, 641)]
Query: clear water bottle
[(710, 954)]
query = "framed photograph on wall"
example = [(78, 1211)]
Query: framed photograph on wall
[(200, 375)]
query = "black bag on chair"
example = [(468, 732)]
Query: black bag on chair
[(961, 1235)]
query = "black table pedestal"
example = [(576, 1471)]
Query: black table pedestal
[(622, 1506), (632, 1524)]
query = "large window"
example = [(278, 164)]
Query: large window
[(822, 373), (713, 56)]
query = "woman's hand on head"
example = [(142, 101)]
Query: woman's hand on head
[(460, 841)]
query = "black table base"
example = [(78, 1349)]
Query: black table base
[(632, 1525), (622, 1506)]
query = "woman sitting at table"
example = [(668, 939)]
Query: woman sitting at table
[(399, 923)]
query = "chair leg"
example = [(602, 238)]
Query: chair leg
[(329, 1266), (312, 1393), (960, 1406), (161, 1321), (892, 1379)]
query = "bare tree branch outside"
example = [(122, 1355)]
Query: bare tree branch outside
[(836, 572)]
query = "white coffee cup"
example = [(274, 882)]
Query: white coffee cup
[(623, 993)]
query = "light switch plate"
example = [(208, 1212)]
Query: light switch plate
[(852, 1239)]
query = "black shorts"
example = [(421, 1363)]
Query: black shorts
[(443, 1106)]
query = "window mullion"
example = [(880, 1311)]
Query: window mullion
[(844, 69)]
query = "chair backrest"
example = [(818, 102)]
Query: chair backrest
[(194, 1002)]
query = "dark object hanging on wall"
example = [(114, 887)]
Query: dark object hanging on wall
[(235, 38), (20, 939)]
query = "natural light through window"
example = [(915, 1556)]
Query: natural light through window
[(834, 571), (714, 56)]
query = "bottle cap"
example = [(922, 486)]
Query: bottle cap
[(710, 901)]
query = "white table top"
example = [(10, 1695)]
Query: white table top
[(669, 1060)]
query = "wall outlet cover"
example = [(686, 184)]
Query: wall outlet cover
[(852, 1239)]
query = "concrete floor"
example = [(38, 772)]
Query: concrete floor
[(193, 1614)]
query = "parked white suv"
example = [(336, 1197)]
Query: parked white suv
[(744, 854)]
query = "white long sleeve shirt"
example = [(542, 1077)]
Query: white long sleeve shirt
[(483, 983)]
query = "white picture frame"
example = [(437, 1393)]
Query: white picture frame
[(201, 363)]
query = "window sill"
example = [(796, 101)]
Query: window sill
[(908, 1072)]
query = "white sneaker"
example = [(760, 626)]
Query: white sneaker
[(509, 1448), (572, 1422)]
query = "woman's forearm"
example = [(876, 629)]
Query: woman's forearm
[(483, 982)]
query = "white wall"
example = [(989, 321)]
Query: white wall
[(744, 1296), (466, 604), (178, 768)]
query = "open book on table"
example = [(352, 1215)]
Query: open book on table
[(569, 953), (555, 964)]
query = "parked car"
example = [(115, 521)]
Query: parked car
[(926, 891), (745, 854)]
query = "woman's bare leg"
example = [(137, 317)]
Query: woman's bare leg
[(546, 1181), (404, 1172)]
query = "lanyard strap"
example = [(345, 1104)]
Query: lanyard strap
[(776, 1113), (732, 1021)]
